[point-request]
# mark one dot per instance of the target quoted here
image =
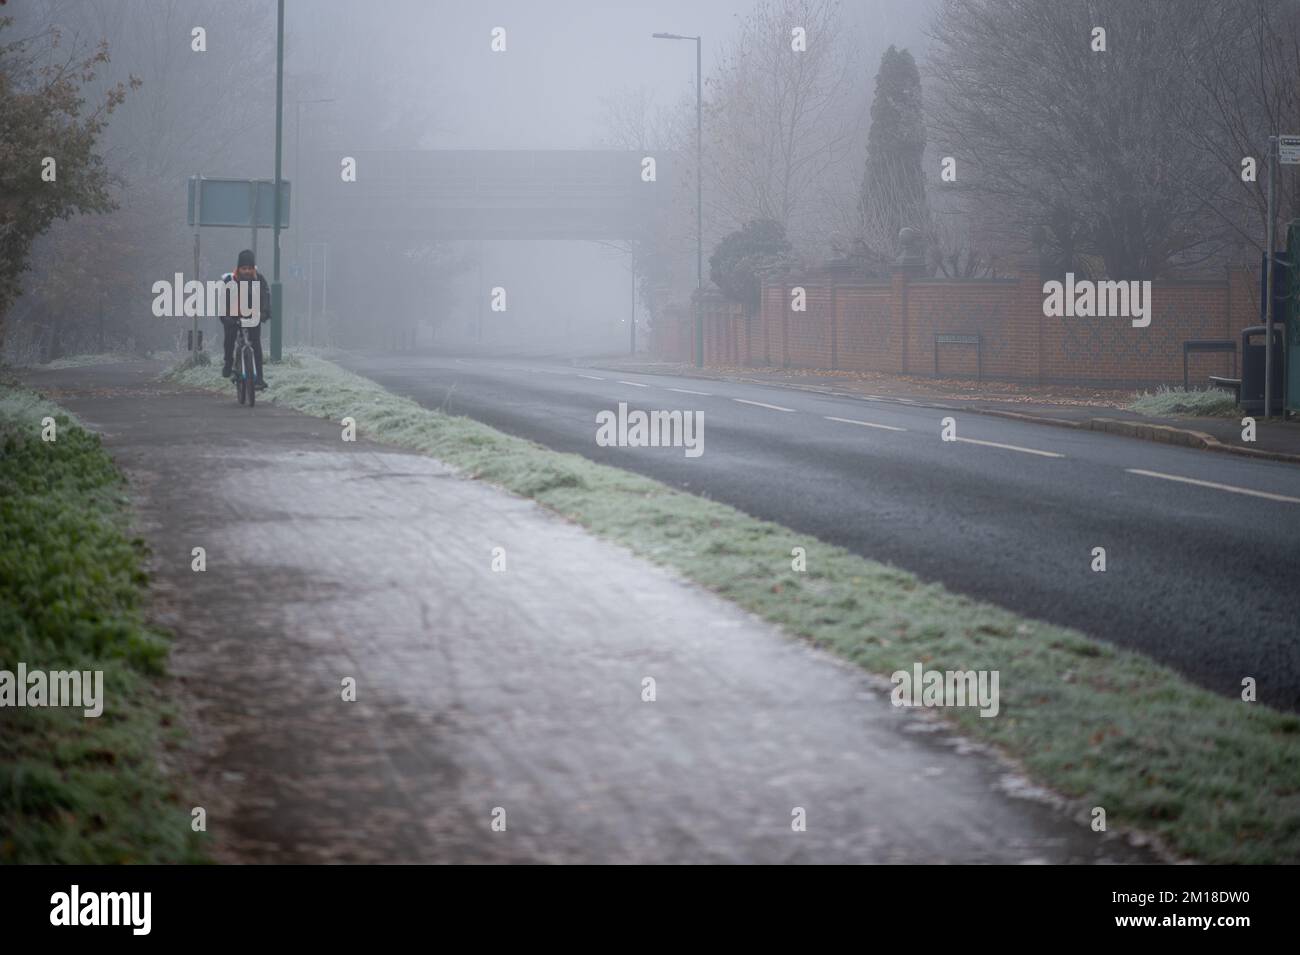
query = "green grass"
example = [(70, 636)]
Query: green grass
[(1177, 401), (1217, 778), (76, 789)]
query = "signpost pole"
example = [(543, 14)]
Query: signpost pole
[(1268, 285), (1288, 154), (198, 219), (1285, 150), (311, 287), (699, 209), (324, 284)]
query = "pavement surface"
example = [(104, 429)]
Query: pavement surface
[(518, 689), (1202, 549)]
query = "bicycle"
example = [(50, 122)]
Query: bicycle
[(245, 368)]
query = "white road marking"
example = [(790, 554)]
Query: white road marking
[(760, 404), (1216, 486), (687, 391), (592, 377), (865, 424), (634, 384), (1012, 447)]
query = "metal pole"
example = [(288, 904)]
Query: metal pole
[(324, 284), (297, 167), (198, 218), (277, 294), (1268, 304), (699, 209), (311, 287), (634, 304)]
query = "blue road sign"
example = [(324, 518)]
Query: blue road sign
[(242, 203)]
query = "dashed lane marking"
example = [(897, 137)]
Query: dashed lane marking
[(1012, 447), (760, 404), (865, 424), (1217, 486)]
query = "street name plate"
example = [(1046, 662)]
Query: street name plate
[(1288, 150)]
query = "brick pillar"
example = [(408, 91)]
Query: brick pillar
[(898, 313), (697, 356), (1029, 306), (835, 363), (764, 313), (785, 327)]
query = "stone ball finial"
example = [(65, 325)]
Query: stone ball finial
[(912, 257)]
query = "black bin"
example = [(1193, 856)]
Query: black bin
[(1252, 368)]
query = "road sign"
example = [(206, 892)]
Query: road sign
[(244, 203), (1288, 150)]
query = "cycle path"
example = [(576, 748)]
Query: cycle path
[(510, 695)]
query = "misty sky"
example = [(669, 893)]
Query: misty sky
[(563, 56), (443, 88), (416, 74)]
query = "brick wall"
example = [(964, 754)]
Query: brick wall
[(866, 340), (891, 327)]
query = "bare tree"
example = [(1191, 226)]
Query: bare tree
[(865, 231), (192, 112), (662, 254), (1077, 145), (779, 121), (629, 119), (1242, 60)]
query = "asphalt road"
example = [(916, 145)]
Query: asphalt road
[(1204, 577)]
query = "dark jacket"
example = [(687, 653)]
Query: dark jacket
[(232, 302)]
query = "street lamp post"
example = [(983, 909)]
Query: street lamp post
[(699, 195), (277, 294)]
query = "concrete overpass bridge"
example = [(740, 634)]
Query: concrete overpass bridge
[(482, 194)]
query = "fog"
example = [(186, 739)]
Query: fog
[(888, 250), (413, 75)]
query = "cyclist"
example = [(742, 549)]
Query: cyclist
[(245, 271)]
